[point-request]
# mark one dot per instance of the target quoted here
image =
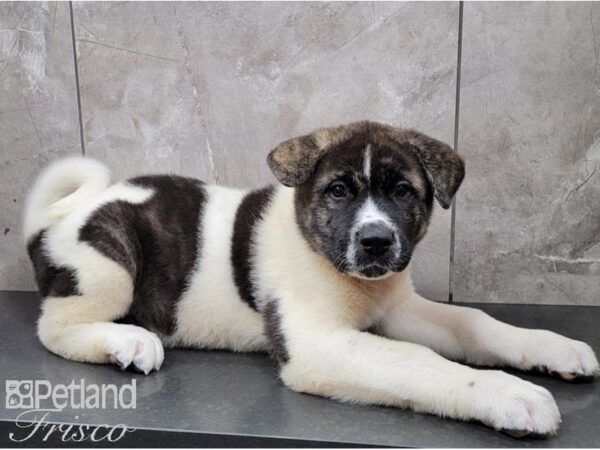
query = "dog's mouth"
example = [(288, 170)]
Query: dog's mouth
[(378, 270), (374, 271)]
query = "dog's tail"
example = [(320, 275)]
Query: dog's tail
[(62, 188)]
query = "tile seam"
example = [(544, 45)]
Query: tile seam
[(456, 130), (77, 92)]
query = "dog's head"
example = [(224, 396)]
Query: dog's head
[(364, 192)]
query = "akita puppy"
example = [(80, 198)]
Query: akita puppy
[(315, 270)]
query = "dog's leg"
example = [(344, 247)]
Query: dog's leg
[(361, 367), (472, 336), (80, 327)]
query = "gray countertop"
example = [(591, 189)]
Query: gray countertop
[(222, 399)]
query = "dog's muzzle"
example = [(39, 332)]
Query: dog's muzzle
[(377, 247)]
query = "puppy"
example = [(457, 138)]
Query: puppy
[(315, 270)]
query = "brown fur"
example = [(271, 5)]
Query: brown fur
[(294, 160), (274, 334)]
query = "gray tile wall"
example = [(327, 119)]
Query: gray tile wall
[(207, 89), (38, 115), (528, 216)]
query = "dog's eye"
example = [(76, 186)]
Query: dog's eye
[(338, 189), (402, 189)]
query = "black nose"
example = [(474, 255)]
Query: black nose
[(375, 238)]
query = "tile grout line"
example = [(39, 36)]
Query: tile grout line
[(82, 140), (456, 129)]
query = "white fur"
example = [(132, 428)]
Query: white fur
[(369, 212), (367, 163), (62, 188), (211, 313)]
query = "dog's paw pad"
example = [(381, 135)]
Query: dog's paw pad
[(519, 434), (573, 377)]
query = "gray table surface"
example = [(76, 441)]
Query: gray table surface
[(222, 393)]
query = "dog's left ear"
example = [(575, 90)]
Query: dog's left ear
[(444, 167), (293, 161)]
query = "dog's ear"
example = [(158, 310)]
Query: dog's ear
[(293, 161), (444, 167)]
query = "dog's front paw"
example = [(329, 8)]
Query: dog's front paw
[(132, 344), (515, 406), (547, 351)]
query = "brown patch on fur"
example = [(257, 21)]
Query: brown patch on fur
[(52, 280), (249, 213), (158, 242), (274, 333)]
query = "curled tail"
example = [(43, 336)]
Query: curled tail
[(62, 188)]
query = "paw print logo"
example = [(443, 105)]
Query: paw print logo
[(19, 394)]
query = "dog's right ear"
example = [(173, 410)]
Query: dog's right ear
[(293, 161)]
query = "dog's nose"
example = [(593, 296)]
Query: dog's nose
[(375, 238)]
